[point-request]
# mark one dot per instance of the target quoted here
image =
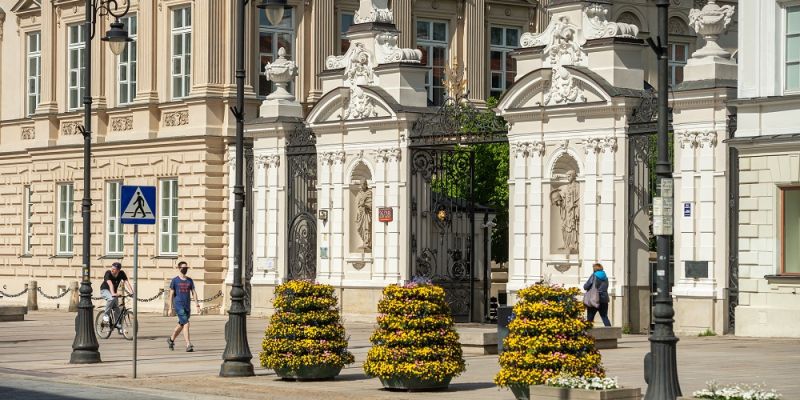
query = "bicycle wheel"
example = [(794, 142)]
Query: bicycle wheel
[(127, 325), (102, 328)]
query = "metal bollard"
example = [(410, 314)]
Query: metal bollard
[(73, 297), (166, 298), (504, 316), (33, 299)]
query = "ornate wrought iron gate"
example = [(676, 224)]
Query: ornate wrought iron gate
[(443, 223), (442, 217), (301, 160)]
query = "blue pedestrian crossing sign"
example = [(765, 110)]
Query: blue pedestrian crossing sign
[(138, 205)]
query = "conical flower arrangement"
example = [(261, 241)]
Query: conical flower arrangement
[(305, 338), (415, 346), (547, 336)]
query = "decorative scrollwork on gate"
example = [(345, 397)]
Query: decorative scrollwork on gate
[(303, 252), (302, 203), (458, 121)]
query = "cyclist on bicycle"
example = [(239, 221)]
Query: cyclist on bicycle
[(108, 289)]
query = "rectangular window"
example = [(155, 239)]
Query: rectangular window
[(168, 226), (502, 67), (76, 76), (345, 21), (270, 39), (65, 199), (113, 225), (181, 52), (27, 245), (790, 226), (433, 41), (677, 56), (793, 48), (34, 67), (126, 68)]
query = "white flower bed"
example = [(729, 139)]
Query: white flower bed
[(579, 382), (736, 392)]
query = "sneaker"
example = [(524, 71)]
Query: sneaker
[(189, 348), (171, 343)]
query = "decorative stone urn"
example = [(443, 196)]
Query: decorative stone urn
[(281, 72), (710, 22)]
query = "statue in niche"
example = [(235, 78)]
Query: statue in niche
[(567, 199), (364, 215)]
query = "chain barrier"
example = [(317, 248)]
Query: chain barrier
[(64, 293), (214, 297), (4, 294), (160, 292)]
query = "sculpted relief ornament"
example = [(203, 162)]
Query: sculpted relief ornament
[(596, 24), (373, 11), (567, 199)]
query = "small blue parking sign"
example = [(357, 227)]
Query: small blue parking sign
[(138, 205)]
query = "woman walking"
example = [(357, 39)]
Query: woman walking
[(599, 280)]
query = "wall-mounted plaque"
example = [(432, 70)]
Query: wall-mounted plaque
[(696, 269), (385, 214)]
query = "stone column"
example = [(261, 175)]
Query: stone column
[(209, 48), (607, 225), (535, 218), (231, 181), (542, 15), (260, 216), (475, 48), (708, 241), (517, 217), (48, 103), (589, 213), (404, 21), (323, 203), (322, 27), (146, 56), (393, 165), (686, 143), (273, 221), (338, 241), (379, 239)]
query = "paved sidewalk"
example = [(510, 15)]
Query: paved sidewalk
[(36, 353)]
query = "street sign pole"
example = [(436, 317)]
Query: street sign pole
[(136, 293)]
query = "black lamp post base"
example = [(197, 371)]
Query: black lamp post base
[(84, 357), (236, 368)]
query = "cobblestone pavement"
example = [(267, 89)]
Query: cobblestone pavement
[(34, 364)]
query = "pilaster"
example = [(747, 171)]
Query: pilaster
[(475, 48), (146, 42), (209, 47), (47, 102), (323, 17), (404, 22)]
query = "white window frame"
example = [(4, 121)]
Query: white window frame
[(64, 228), (77, 46), (273, 54), (126, 69), (33, 62), (183, 60), (167, 222), (505, 49), (672, 63), (429, 44), (784, 39), (27, 199), (114, 233)]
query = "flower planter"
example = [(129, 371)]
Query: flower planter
[(558, 393), (521, 392), (309, 373), (414, 384)]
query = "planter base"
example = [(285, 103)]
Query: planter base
[(311, 373), (556, 393), (414, 384), (521, 392)]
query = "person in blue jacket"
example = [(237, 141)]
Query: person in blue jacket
[(600, 279)]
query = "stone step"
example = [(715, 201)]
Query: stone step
[(480, 339), (606, 337), (13, 313)]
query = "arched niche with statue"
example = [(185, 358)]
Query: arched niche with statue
[(565, 197), (360, 189)]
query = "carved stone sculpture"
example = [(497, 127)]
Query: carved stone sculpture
[(567, 199), (711, 21), (364, 216), (388, 52), (596, 24), (563, 88), (357, 72), (373, 11), (280, 72)]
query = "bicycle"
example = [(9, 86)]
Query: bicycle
[(123, 320)]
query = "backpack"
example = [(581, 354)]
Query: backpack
[(592, 296)]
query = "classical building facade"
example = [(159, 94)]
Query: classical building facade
[(767, 188)]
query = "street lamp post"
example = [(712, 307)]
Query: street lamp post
[(237, 356), (85, 346), (661, 366)]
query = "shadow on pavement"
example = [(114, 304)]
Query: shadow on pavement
[(10, 393), (464, 387)]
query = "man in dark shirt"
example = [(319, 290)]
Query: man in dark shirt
[(181, 290), (108, 289)]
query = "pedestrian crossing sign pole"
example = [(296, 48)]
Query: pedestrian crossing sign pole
[(137, 207)]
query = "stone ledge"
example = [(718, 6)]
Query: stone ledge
[(478, 340), (557, 393), (13, 313), (605, 336)]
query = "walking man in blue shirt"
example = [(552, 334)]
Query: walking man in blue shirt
[(180, 291)]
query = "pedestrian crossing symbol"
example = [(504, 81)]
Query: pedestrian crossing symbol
[(138, 205)]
